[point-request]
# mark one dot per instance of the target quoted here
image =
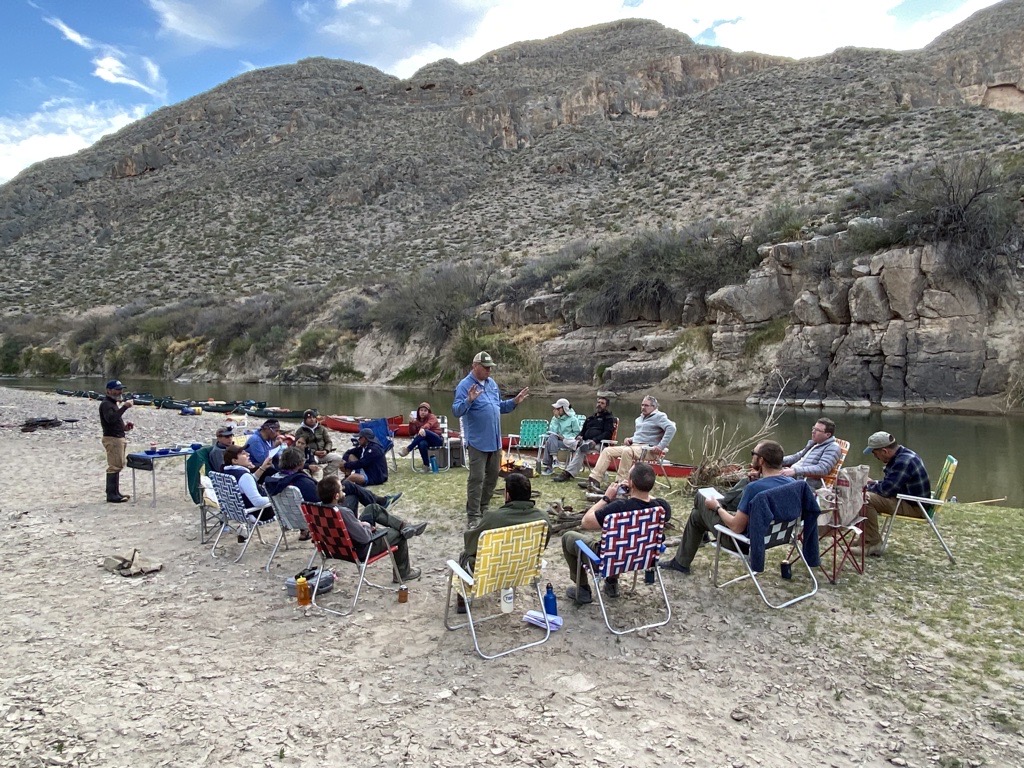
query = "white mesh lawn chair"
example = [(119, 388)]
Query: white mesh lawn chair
[(288, 511), (237, 518)]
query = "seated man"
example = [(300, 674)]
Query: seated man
[(291, 474), (563, 433), (366, 462), (318, 440), (224, 440), (818, 458), (518, 508), (904, 473), (361, 528), (653, 430), (767, 460), (265, 440), (599, 426), (636, 496)]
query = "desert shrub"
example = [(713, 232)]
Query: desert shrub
[(314, 342), (432, 302), (352, 315), (10, 355), (781, 222), (45, 361), (534, 276)]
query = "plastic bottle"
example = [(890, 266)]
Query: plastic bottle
[(433, 465), (508, 600), (302, 593), (550, 602)]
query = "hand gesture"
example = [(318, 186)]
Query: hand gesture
[(523, 394), (474, 392), (127, 403), (129, 426)]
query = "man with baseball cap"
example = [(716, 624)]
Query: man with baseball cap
[(479, 406), (224, 440), (563, 433), (114, 441), (318, 440), (904, 473)]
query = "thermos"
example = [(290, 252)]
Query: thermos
[(433, 465)]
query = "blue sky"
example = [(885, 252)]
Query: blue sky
[(75, 70)]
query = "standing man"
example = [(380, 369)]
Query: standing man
[(114, 441), (818, 458), (653, 430), (630, 496), (766, 461), (904, 473), (478, 403), (599, 426), (318, 440)]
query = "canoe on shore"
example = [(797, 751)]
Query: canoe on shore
[(353, 424), (273, 412)]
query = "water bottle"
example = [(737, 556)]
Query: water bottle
[(433, 465), (302, 593), (550, 603), (508, 599)]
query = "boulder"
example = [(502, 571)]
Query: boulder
[(808, 311), (868, 301), (765, 296), (902, 280)]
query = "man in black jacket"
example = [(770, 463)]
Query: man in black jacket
[(598, 426), (114, 441)]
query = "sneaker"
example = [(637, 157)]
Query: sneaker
[(581, 596), (411, 575), (875, 550), (611, 588), (390, 501), (547, 471), (403, 452), (413, 529), (672, 565), (564, 477)]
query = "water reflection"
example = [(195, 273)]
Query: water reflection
[(990, 448)]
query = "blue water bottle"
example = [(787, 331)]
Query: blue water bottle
[(433, 465), (550, 604)]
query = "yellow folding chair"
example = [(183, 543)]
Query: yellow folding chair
[(919, 508), (506, 558)]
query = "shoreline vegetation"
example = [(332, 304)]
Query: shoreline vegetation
[(915, 662)]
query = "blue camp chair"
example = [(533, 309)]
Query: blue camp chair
[(385, 437)]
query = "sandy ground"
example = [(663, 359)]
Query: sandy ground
[(209, 663)]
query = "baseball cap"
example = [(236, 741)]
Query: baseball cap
[(271, 424), (484, 359), (114, 384), (880, 440), (561, 403), (228, 430)]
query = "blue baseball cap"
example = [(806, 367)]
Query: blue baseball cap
[(114, 384)]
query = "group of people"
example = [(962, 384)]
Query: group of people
[(262, 468)]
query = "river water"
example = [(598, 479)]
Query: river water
[(990, 448)]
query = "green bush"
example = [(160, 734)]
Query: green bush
[(314, 342), (773, 332)]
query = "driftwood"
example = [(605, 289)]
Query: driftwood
[(562, 518)]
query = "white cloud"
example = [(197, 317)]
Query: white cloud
[(216, 23), (59, 127)]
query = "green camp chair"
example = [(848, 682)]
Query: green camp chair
[(531, 436)]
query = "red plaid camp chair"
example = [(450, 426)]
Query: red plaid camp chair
[(332, 542), (630, 543)]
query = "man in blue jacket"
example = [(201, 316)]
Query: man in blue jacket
[(479, 405), (366, 463)]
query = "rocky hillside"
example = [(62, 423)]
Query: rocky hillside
[(591, 133)]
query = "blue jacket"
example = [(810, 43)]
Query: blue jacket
[(481, 419), (306, 485), (370, 460), (784, 503)]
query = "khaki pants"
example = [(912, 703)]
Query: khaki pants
[(117, 449), (875, 506), (626, 454)]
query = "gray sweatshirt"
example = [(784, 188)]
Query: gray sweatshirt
[(654, 429)]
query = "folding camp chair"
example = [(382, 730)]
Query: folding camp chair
[(657, 463), (382, 428), (506, 558), (630, 543), (288, 510), (332, 542), (531, 436), (444, 451), (237, 518), (919, 508), (782, 510), (197, 466)]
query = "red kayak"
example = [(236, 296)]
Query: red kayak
[(353, 424)]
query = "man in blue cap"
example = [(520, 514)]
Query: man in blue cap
[(114, 441)]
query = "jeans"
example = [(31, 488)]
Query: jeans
[(423, 443)]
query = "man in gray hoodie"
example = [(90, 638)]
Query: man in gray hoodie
[(653, 431)]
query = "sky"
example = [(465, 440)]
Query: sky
[(72, 71)]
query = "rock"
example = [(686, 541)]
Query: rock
[(868, 301)]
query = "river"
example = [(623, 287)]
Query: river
[(990, 448)]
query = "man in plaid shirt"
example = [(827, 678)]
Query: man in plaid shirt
[(904, 473)]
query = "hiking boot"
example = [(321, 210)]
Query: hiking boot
[(611, 588), (460, 604), (390, 501), (413, 529), (411, 575), (563, 477), (403, 452), (672, 565), (593, 496), (874, 550), (581, 596)]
